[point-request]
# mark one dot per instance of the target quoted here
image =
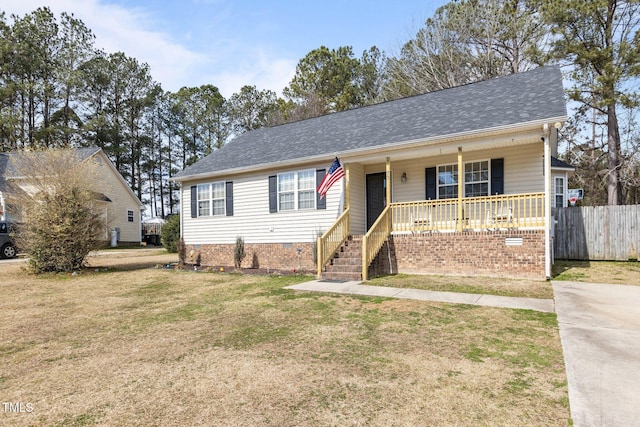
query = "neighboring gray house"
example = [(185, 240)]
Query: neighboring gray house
[(122, 208), (449, 182)]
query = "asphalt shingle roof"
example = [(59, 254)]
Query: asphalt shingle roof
[(557, 163), (503, 101)]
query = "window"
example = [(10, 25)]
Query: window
[(306, 189), (130, 215), (297, 190), (211, 199), (286, 191), (217, 190), (204, 199), (558, 191), (447, 181), (476, 179)]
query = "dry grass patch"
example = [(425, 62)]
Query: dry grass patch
[(627, 273), (151, 346), (467, 284)]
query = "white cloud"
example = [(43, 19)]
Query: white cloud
[(134, 32), (263, 71)]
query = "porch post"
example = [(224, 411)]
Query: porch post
[(347, 188), (460, 190), (388, 170), (547, 202)]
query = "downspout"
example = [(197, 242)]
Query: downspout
[(181, 213), (547, 202)]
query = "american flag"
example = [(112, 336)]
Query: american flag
[(334, 173)]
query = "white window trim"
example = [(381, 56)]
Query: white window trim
[(564, 190), (296, 190), (438, 186), (461, 174), (464, 182), (211, 199), (132, 216)]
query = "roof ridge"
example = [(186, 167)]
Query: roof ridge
[(462, 85)]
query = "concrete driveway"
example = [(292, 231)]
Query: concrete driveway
[(600, 334)]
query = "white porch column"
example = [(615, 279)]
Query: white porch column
[(547, 202), (460, 190), (388, 174), (347, 188)]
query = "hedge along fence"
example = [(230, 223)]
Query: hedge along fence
[(597, 233)]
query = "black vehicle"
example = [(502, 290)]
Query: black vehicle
[(7, 247)]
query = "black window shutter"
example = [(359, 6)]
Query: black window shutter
[(273, 194), (194, 201), (229, 197), (430, 184), (497, 176), (321, 203)]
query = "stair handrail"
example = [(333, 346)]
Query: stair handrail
[(332, 239), (374, 239)]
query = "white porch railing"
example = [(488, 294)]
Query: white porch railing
[(374, 239), (330, 241), (512, 211), (488, 212)]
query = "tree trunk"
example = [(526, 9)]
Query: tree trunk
[(614, 187)]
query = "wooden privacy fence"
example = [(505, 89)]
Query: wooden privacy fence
[(597, 233)]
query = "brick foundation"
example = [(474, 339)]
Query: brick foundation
[(277, 256), (468, 253)]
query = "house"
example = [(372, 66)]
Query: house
[(457, 181), (122, 208)]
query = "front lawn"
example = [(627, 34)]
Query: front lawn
[(125, 344), (613, 272), (467, 284)]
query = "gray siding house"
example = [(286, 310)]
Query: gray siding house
[(458, 181)]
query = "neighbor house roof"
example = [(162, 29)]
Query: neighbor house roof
[(527, 97), (8, 167), (8, 170), (559, 164)]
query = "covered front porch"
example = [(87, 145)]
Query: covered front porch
[(515, 199)]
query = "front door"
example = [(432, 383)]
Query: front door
[(376, 196)]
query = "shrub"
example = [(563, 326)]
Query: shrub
[(182, 251), (61, 214), (238, 252), (170, 233)]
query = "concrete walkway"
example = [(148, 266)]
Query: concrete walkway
[(600, 334), (599, 330), (355, 288)]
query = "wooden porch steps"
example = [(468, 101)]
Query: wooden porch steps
[(346, 264)]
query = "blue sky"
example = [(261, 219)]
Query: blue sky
[(231, 43)]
